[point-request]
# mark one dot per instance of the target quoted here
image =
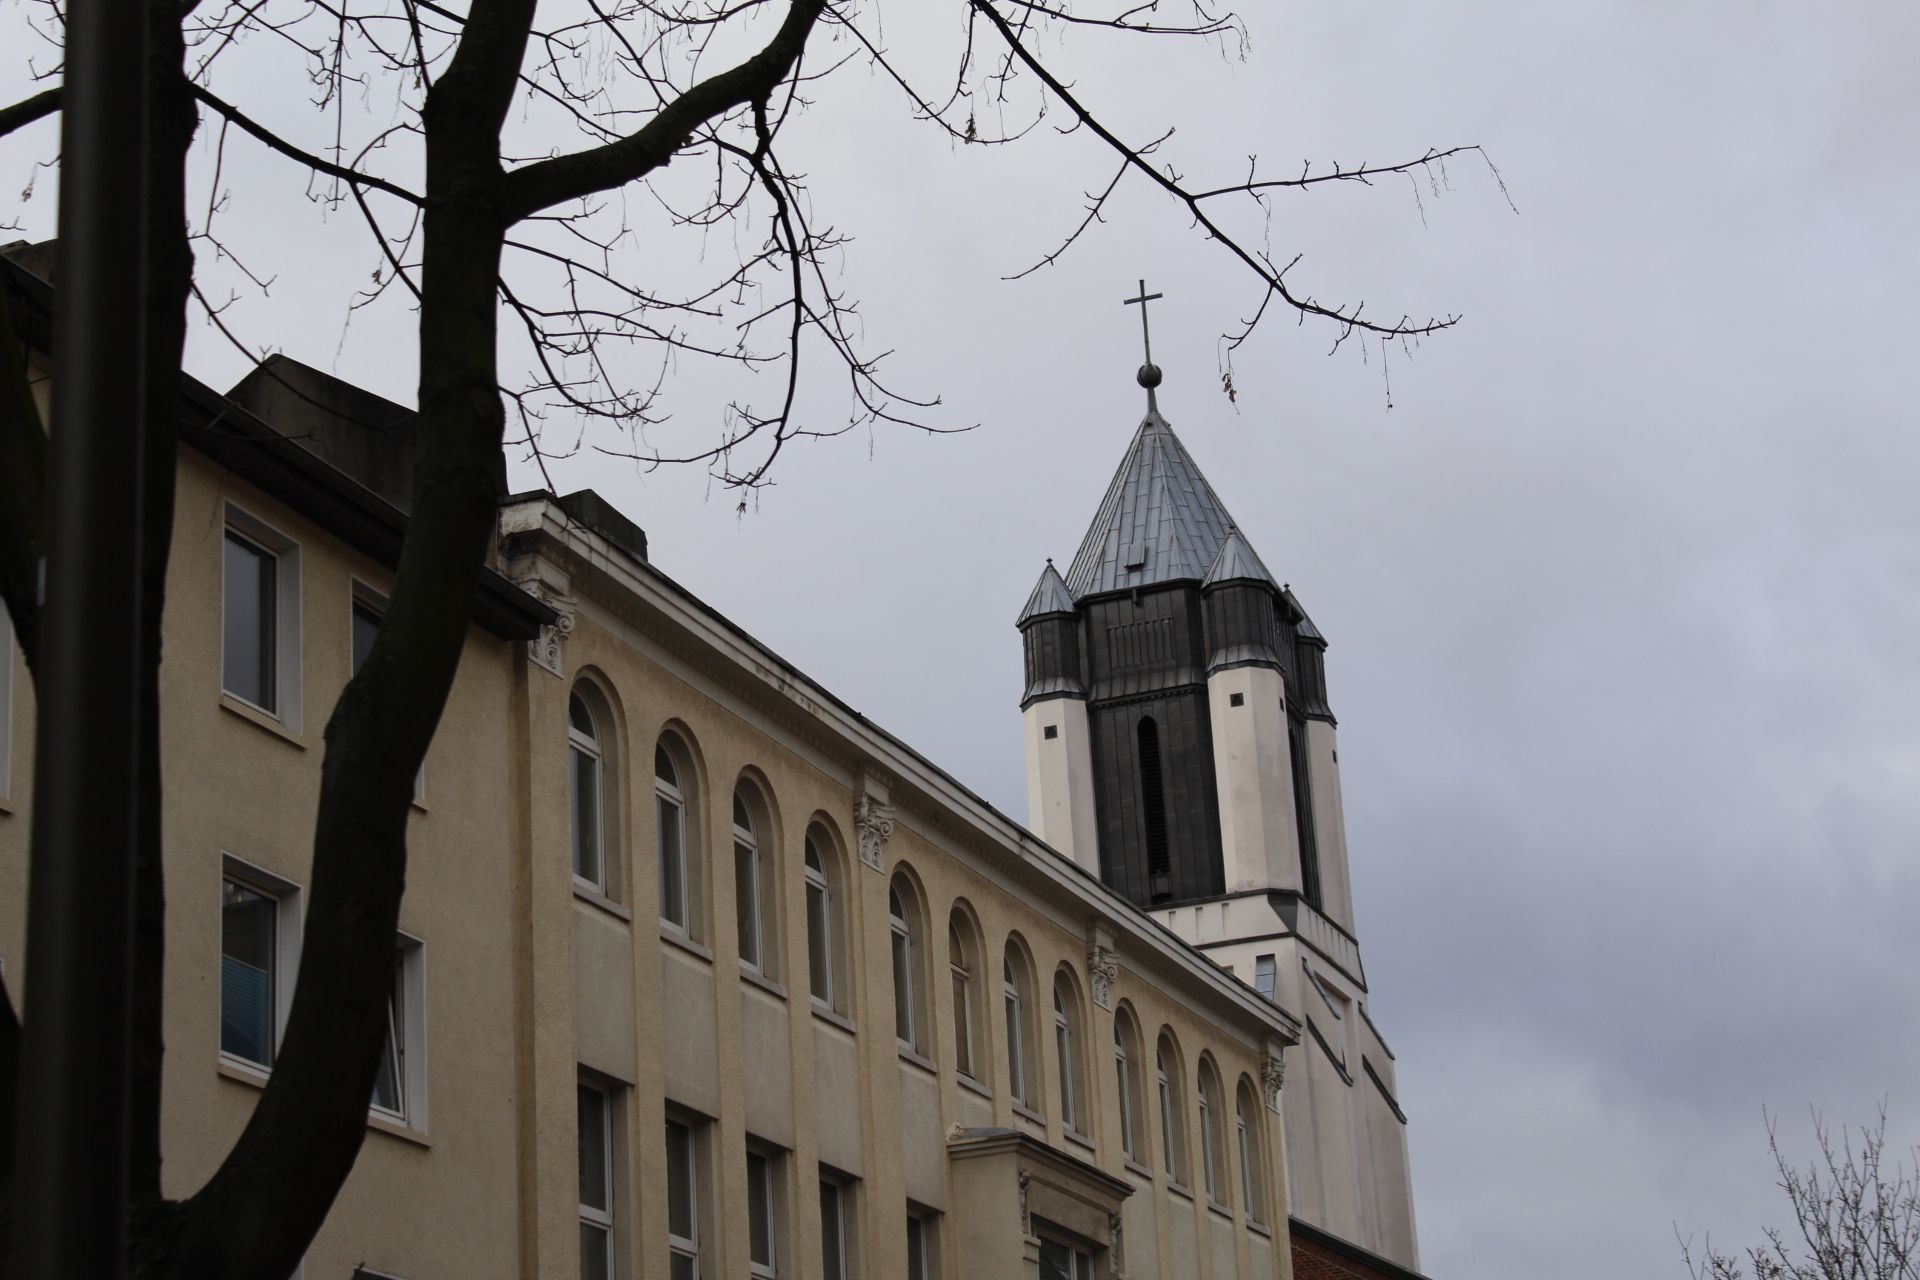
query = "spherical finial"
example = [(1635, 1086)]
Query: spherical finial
[(1149, 376)]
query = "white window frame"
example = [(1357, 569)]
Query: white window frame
[(845, 1225), (600, 1218), (407, 1033), (1172, 1123), (285, 895), (580, 744), (923, 1244), (770, 1196), (673, 793), (1015, 1003), (687, 1246), (966, 1057), (1123, 1070), (376, 602), (286, 613), (1080, 1265), (748, 889), (1209, 1149), (1253, 1177), (1064, 1046), (1264, 975), (818, 883), (905, 997)]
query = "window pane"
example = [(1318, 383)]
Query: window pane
[(247, 623), (916, 1249), (902, 989), (247, 927), (663, 767), (819, 944), (679, 1180), (683, 1267), (586, 816), (1063, 1048), (366, 625), (832, 1242), (673, 892), (593, 1148), (962, 1024), (389, 1087), (759, 1210), (1056, 1261), (1016, 1049), (595, 1250), (746, 900)]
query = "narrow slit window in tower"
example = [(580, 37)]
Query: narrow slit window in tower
[(1153, 803)]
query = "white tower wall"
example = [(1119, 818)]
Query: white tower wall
[(1259, 840), (1329, 823), (1060, 779)]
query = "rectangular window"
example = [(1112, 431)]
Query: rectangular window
[(923, 1247), (1263, 975), (368, 609), (683, 1202), (1064, 1262), (673, 871), (247, 622), (746, 901), (259, 940), (819, 940), (836, 1229), (596, 1181), (765, 1216), (260, 617), (400, 1089)]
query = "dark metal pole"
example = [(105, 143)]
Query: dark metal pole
[(70, 1205)]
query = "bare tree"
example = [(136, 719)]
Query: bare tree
[(679, 114), (1853, 1217)]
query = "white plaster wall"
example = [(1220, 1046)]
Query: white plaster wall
[(1329, 823), (1253, 771), (1060, 779)]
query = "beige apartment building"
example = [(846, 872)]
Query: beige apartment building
[(701, 973)]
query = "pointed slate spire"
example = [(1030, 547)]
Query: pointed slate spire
[(1049, 596), (1160, 520), (1237, 560), (1303, 628)]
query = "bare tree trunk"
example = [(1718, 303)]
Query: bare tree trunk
[(172, 117)]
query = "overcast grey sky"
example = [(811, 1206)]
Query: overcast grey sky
[(1623, 590)]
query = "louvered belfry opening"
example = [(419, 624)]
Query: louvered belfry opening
[(1153, 806)]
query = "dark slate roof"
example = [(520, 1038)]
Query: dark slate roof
[(1160, 515), (1303, 628), (1049, 596), (1237, 559)]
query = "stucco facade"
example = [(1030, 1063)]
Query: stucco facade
[(939, 1112)]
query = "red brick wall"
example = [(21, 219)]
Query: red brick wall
[(1314, 1261)]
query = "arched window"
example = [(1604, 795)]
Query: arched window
[(909, 982), (1016, 987), (1153, 811), (824, 932), (1213, 1143), (1253, 1160), (586, 780), (679, 865), (1173, 1119), (1066, 1043), (755, 884), (1126, 1067), (963, 960)]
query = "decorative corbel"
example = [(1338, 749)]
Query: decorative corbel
[(872, 817), (1103, 965), (1273, 1074)]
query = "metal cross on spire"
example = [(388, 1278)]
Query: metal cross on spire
[(1146, 338), (1149, 375)]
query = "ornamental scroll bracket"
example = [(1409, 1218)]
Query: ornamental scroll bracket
[(1273, 1074), (1103, 965), (873, 817)]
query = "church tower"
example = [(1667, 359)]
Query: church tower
[(1180, 746)]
